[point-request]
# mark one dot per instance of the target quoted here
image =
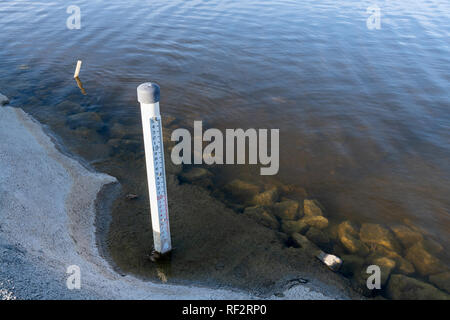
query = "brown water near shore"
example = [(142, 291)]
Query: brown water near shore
[(363, 115)]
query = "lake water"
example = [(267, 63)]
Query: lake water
[(364, 115)]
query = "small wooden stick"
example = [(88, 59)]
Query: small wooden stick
[(77, 69), (80, 85)]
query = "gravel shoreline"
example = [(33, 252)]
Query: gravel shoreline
[(48, 222)]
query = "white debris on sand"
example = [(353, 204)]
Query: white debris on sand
[(305, 293), (6, 294), (47, 216), (331, 261)]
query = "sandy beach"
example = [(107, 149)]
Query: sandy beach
[(48, 222)]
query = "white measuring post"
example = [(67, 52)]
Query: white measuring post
[(148, 96)]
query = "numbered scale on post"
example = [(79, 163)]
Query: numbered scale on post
[(160, 182), (148, 96)]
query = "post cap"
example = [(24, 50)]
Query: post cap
[(148, 92)]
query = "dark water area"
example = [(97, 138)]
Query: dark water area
[(364, 115)]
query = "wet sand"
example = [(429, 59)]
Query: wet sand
[(214, 246)]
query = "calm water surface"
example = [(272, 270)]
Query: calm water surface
[(364, 115)]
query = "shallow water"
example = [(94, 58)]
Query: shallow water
[(363, 114)]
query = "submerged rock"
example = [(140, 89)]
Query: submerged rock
[(353, 245), (195, 174), (375, 235), (260, 215), (126, 144), (266, 198), (286, 210), (347, 228), (87, 119), (318, 222), (294, 191), (333, 233), (403, 266), (441, 280), (312, 208), (200, 176), (319, 237), (69, 107), (290, 226), (88, 134), (305, 244), (406, 235), (241, 191), (119, 130), (433, 246), (352, 264), (347, 234), (424, 262), (401, 287), (338, 249), (386, 267)]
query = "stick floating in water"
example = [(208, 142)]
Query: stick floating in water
[(77, 69)]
